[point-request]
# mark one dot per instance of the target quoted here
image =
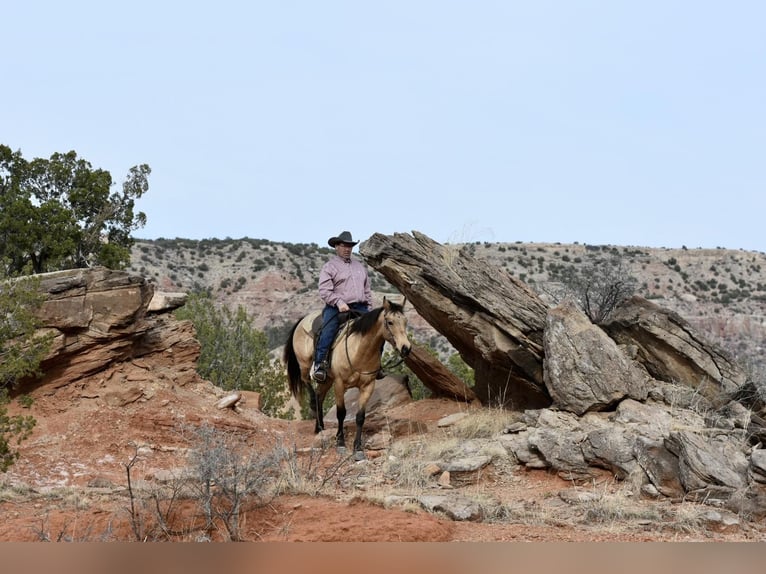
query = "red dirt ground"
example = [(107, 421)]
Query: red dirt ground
[(70, 482)]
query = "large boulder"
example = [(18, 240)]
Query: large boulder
[(585, 370), (498, 325), (711, 464), (492, 319), (643, 396), (672, 351)]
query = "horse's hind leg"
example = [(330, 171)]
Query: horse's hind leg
[(316, 400)]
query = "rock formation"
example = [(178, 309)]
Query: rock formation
[(493, 320), (644, 397), (100, 317), (672, 351)]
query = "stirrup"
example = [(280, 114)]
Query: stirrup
[(320, 372)]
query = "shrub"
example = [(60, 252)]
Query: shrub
[(599, 286), (234, 355)]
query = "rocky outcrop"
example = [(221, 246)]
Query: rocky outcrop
[(644, 397), (672, 351), (100, 318), (494, 321), (527, 356), (628, 405)]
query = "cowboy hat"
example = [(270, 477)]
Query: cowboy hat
[(344, 237)]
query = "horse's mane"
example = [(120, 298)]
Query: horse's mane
[(366, 322)]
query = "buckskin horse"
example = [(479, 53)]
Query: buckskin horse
[(355, 362)]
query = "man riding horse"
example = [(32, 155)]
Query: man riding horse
[(344, 286)]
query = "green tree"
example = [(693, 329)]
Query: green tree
[(234, 355), (461, 370), (16, 427), (22, 348), (61, 213), (21, 351)]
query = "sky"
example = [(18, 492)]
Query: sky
[(599, 122)]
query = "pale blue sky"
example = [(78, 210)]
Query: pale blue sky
[(630, 123)]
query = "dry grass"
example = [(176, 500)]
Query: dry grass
[(484, 423)]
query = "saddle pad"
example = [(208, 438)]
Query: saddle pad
[(312, 322)]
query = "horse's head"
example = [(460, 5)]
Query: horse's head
[(396, 326)]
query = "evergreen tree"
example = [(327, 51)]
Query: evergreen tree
[(61, 213), (21, 350), (234, 355)]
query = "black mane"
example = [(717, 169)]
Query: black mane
[(367, 321)]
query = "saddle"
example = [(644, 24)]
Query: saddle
[(316, 325)]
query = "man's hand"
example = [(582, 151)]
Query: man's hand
[(343, 308)]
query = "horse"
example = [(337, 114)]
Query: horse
[(355, 362)]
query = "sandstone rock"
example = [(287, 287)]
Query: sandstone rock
[(577, 496), (250, 400), (228, 401), (378, 441), (436, 377), (660, 466), (583, 368), (450, 420), (721, 521), (757, 468), (517, 445), (708, 462), (672, 351), (558, 438), (119, 397), (163, 302), (100, 319), (748, 502), (611, 448), (456, 507)]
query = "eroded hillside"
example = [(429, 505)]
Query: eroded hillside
[(720, 291)]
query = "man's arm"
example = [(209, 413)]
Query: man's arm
[(327, 286)]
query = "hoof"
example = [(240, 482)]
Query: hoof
[(359, 455), (340, 449)]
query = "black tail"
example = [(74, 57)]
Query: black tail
[(293, 368)]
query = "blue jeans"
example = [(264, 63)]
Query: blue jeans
[(330, 328)]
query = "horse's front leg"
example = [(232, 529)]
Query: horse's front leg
[(340, 438), (358, 450), (365, 392)]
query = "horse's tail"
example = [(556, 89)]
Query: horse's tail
[(293, 367)]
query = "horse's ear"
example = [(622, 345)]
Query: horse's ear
[(386, 304), (403, 302)]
